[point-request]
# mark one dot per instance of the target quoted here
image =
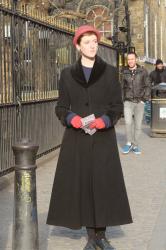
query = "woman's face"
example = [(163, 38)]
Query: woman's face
[(88, 45)]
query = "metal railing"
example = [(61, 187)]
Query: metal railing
[(7, 136), (33, 51)]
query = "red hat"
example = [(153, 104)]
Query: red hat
[(84, 29)]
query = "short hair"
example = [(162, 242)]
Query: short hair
[(159, 61), (132, 53)]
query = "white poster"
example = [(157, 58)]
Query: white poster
[(163, 113)]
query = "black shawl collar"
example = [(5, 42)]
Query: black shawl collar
[(97, 70)]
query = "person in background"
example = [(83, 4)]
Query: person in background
[(89, 189), (136, 87), (159, 74)]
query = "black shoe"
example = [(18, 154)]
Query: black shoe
[(104, 244), (91, 245)]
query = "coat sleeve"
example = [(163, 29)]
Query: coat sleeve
[(151, 76), (148, 85), (62, 108), (115, 107), (123, 85)]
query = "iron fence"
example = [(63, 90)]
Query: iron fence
[(33, 51), (7, 136), (39, 123)]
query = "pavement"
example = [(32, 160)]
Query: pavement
[(145, 178)]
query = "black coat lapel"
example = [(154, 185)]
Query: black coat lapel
[(78, 74)]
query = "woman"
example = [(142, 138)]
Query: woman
[(89, 188)]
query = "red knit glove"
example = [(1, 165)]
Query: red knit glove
[(98, 124), (76, 121)]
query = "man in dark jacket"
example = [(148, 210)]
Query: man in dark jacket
[(136, 90), (159, 74)]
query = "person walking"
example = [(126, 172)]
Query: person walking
[(159, 74), (89, 189), (136, 87)]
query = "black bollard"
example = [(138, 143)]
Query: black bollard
[(25, 222)]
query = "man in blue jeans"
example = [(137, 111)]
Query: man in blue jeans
[(136, 88)]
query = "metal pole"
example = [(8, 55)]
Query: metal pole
[(25, 223), (127, 13), (116, 20)]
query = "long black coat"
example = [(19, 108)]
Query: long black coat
[(89, 188)]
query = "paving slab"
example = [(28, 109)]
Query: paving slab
[(145, 177)]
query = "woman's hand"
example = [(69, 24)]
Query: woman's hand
[(76, 122), (98, 124)]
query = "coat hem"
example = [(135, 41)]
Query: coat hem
[(77, 227)]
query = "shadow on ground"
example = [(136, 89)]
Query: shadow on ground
[(6, 211), (47, 232)]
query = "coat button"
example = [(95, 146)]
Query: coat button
[(87, 103)]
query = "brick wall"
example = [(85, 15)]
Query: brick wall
[(136, 9), (156, 27)]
